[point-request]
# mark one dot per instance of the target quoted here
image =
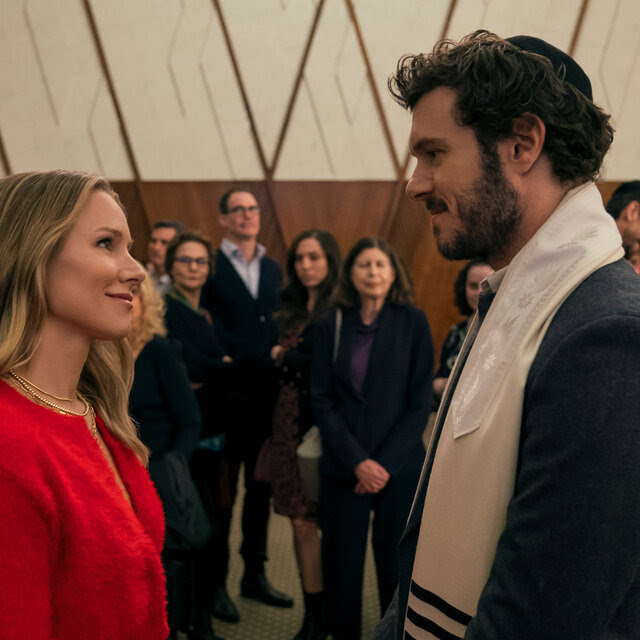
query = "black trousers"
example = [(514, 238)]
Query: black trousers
[(248, 423), (344, 519)]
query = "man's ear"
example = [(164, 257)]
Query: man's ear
[(523, 148), (631, 211)]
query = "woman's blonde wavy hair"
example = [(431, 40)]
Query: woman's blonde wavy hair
[(37, 211), (151, 320)]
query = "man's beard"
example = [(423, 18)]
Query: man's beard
[(489, 214)]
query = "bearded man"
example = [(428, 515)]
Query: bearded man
[(525, 523)]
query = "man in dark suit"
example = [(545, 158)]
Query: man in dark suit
[(243, 294), (525, 522)]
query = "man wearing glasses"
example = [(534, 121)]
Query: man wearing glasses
[(243, 294)]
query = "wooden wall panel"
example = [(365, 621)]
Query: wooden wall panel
[(349, 210), (433, 276), (606, 190), (195, 204), (139, 223)]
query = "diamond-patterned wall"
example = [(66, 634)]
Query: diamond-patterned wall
[(263, 89)]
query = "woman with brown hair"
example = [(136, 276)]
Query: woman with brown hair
[(210, 370), (371, 395), (82, 527), (313, 268)]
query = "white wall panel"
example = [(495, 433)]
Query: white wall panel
[(268, 39), (307, 152), (172, 74), (181, 101), (390, 30), (54, 112), (609, 50), (344, 107), (552, 20)]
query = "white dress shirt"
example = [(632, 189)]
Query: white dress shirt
[(249, 272)]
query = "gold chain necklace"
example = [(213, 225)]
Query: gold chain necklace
[(93, 427), (24, 381), (25, 386), (88, 409)]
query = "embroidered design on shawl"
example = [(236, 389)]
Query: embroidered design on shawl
[(533, 278)]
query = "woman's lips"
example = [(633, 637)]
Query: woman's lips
[(125, 297)]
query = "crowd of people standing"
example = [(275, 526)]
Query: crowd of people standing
[(266, 365)]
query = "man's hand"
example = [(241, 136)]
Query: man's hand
[(372, 477)]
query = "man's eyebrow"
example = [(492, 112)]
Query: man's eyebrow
[(427, 143)]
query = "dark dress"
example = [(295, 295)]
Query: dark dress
[(164, 406), (292, 419), (451, 348)]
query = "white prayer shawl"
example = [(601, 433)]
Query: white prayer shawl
[(473, 474)]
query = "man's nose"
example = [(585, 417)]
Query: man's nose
[(420, 185)]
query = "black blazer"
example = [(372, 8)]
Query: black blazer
[(203, 351), (249, 331), (386, 421)]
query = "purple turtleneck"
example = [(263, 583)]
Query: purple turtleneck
[(360, 352)]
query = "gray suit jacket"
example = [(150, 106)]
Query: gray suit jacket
[(567, 566)]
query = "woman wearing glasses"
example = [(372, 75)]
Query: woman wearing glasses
[(188, 263)]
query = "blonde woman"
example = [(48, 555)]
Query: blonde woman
[(82, 527)]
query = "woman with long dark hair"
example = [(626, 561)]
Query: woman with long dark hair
[(313, 266), (466, 290), (371, 396)]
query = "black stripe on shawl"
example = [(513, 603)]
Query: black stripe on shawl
[(442, 605), (430, 626)]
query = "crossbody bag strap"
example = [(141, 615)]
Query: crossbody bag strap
[(336, 338)]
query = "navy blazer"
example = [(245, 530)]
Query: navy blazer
[(247, 323), (567, 565), (203, 352), (386, 421)]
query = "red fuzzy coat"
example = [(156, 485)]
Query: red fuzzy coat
[(76, 561)]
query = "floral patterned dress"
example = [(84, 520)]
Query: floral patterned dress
[(292, 419)]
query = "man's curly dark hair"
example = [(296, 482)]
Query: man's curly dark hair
[(497, 82)]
